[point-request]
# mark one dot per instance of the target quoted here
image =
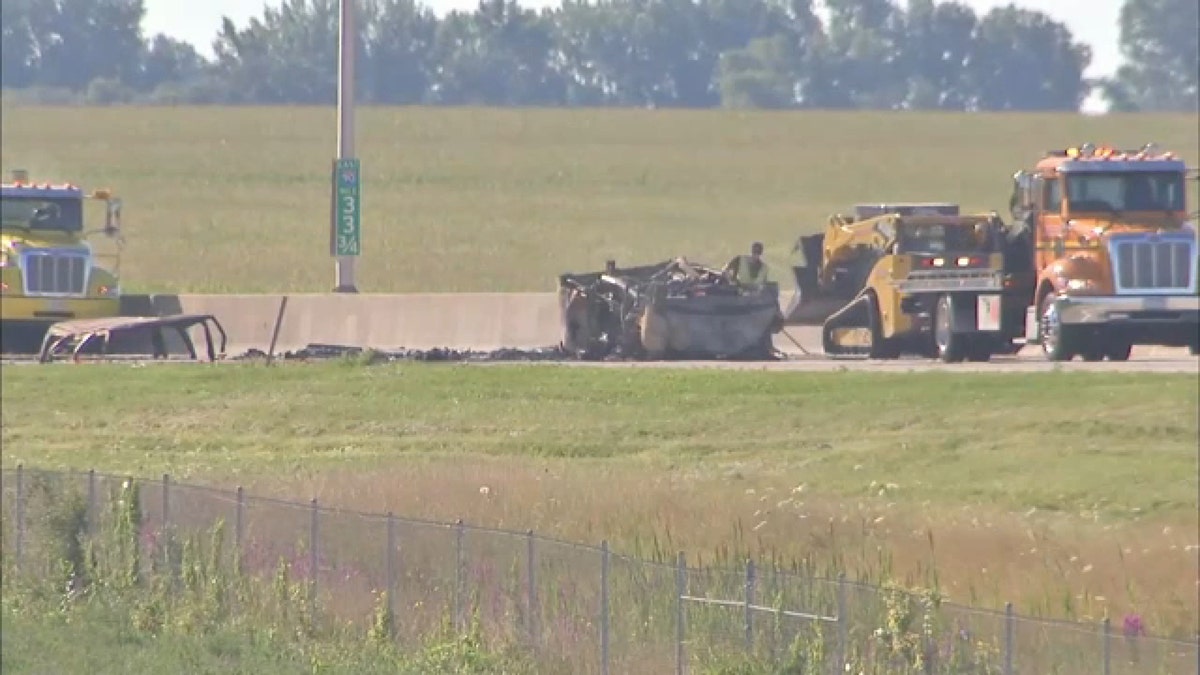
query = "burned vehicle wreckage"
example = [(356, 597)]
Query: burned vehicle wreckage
[(670, 310)]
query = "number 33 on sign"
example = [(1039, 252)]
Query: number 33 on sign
[(348, 230)]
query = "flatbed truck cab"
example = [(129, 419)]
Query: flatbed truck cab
[(1113, 259), (51, 267)]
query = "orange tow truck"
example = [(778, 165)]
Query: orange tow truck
[(1104, 253)]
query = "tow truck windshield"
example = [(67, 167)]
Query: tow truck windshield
[(1133, 191), (62, 215)]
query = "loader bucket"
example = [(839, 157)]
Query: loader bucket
[(809, 306), (811, 311)]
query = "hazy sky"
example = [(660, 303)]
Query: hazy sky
[(1091, 21)]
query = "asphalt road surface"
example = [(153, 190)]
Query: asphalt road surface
[(808, 357), (1029, 360)]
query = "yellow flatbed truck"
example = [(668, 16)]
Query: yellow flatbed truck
[(53, 267)]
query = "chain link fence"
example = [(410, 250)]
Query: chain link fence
[(581, 608)]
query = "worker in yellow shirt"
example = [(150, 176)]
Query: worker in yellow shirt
[(749, 270)]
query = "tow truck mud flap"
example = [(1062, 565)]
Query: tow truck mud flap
[(1031, 326), (988, 312), (975, 313)]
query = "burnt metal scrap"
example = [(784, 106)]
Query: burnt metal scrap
[(317, 352), (131, 334), (674, 309)]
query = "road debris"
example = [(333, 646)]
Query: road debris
[(132, 334), (318, 352), (674, 309)]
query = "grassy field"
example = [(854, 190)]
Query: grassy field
[(127, 612), (1014, 488), (237, 200), (1069, 494), (40, 637)]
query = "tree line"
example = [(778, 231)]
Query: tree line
[(874, 54)]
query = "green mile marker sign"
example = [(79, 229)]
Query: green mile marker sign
[(347, 209)]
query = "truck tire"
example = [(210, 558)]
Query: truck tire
[(1094, 351), (1057, 344), (948, 346), (980, 350), (1118, 351)]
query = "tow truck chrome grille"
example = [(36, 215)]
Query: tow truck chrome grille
[(1166, 264), (49, 272)]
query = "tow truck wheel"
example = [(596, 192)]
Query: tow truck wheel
[(1119, 351), (1056, 342), (980, 350), (948, 346)]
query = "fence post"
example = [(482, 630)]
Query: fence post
[(604, 554), (390, 566), (928, 646), (530, 588), (459, 531), (135, 489), (20, 547), (749, 601), (92, 515), (313, 560), (1008, 638), (776, 622), (167, 539), (843, 621), (680, 591), (1107, 626), (166, 500), (239, 528)]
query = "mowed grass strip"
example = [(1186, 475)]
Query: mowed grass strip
[(237, 199), (1115, 443), (1070, 494)]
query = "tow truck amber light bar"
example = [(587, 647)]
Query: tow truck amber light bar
[(1090, 151)]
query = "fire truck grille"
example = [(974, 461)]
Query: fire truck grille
[(1162, 265), (56, 273)]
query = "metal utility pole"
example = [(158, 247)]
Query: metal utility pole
[(345, 228)]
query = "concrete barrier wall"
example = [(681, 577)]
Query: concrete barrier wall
[(480, 321), (382, 321)]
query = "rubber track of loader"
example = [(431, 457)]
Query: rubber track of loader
[(838, 351)]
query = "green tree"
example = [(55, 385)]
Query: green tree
[(1023, 60), (646, 53), (762, 75), (288, 56), (168, 61), (18, 44), (790, 68), (937, 51), (399, 38), (1160, 42), (69, 43), (866, 53), (497, 55)]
